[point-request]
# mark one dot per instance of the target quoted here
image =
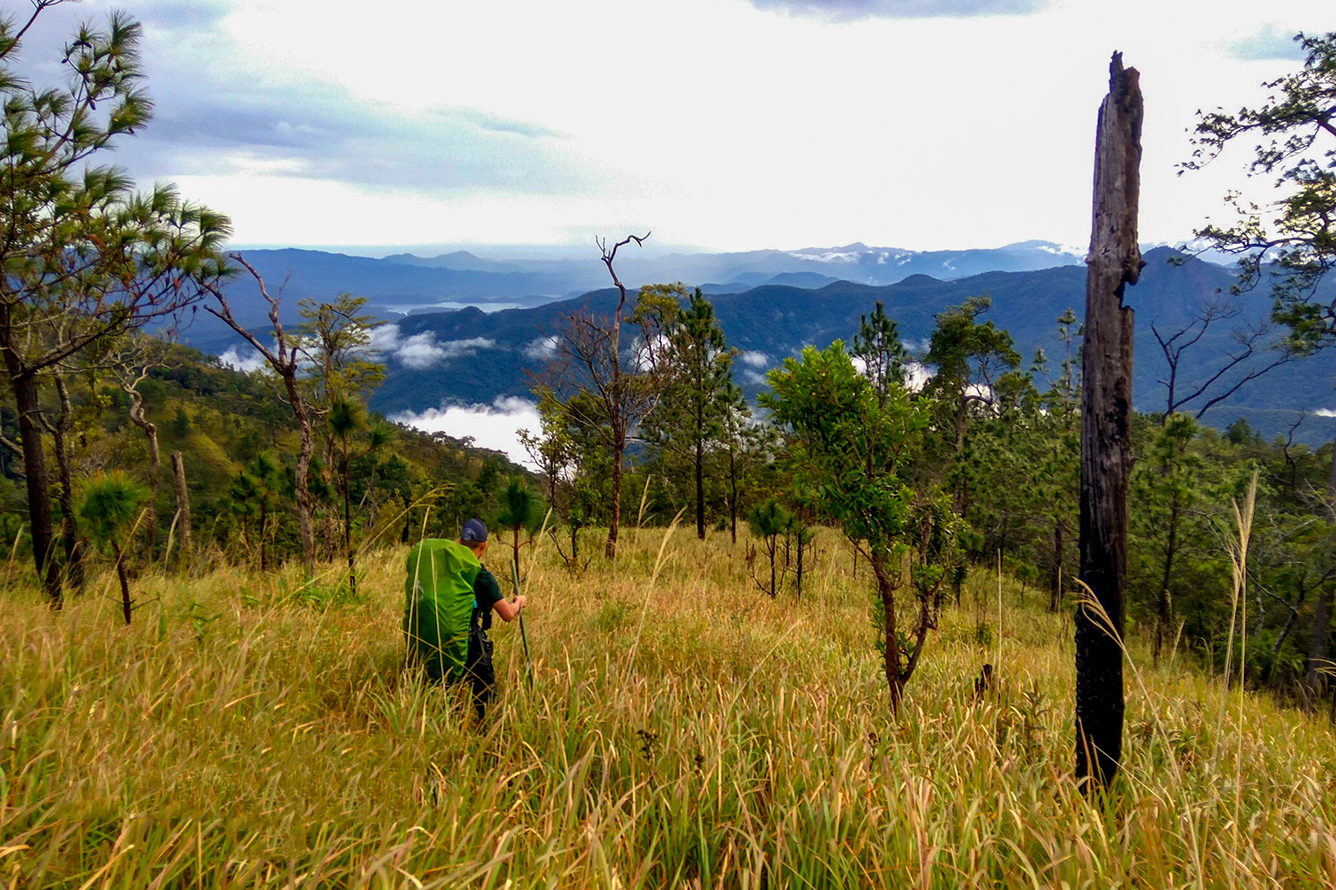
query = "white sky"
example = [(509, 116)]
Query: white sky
[(724, 124)]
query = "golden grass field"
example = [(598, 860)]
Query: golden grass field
[(683, 730)]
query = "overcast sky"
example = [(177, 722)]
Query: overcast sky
[(722, 124)]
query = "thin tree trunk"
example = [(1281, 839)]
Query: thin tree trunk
[(799, 586), (138, 417), (28, 403), (1320, 640), (303, 466), (286, 365), (891, 661), (1318, 662), (1163, 605), (774, 551), (124, 578), (263, 532), (348, 523), (610, 549), (1113, 263), (1055, 573), (69, 519), (185, 549), (1268, 672), (700, 485)]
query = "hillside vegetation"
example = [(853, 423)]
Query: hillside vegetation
[(681, 731), (771, 322)]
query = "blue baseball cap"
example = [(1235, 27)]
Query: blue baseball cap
[(473, 531)]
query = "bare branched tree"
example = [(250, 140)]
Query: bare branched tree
[(623, 379), (1255, 352), (285, 360)]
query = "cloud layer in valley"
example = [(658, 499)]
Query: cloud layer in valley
[(418, 352), (493, 426)]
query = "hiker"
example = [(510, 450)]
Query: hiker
[(450, 597)]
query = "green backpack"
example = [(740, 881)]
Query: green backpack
[(439, 605)]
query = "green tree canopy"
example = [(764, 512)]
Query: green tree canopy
[(86, 257)]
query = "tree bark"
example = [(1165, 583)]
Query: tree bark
[(286, 364), (304, 506), (348, 518), (140, 419), (895, 683), (732, 495), (69, 520), (127, 604), (1164, 605), (187, 545), (610, 548), (40, 526), (1055, 573), (1318, 662), (700, 485), (1106, 458)]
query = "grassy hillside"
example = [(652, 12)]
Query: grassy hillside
[(683, 730)]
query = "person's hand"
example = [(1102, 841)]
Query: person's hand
[(519, 601)]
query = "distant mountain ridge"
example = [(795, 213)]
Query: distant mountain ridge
[(403, 283), (484, 356), (770, 302)]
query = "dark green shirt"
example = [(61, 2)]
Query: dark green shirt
[(486, 593)]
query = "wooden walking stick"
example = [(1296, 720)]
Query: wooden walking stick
[(524, 637)]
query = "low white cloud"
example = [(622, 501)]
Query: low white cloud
[(755, 359), (385, 338), (1324, 412), (916, 375), (756, 377), (830, 256), (541, 348), (494, 426), (245, 363), (421, 351)]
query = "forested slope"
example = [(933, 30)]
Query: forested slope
[(773, 322)]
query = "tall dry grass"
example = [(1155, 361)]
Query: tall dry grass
[(683, 730)]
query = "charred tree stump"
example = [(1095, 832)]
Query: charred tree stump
[(1106, 458)]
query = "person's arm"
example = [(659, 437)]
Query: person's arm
[(508, 609), (488, 593)]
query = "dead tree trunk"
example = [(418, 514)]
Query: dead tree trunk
[(186, 547), (615, 520), (150, 430), (1114, 262), (286, 364)]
